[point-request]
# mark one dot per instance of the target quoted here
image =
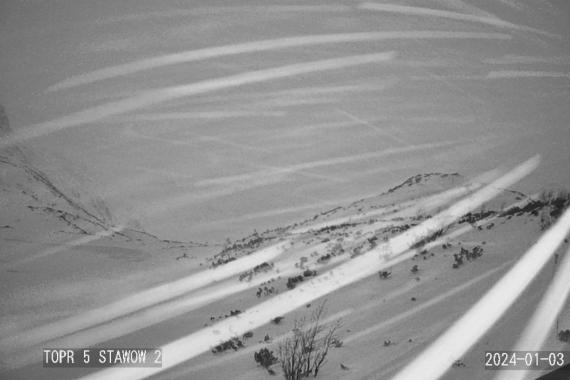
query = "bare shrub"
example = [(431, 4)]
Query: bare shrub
[(304, 353)]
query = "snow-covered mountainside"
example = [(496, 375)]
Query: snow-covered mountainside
[(386, 319)]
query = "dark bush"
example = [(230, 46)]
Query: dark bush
[(564, 335), (277, 320), (384, 274), (265, 358), (309, 273), (465, 254), (265, 291), (234, 344), (458, 363), (292, 281)]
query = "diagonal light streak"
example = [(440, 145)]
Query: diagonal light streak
[(259, 46), (154, 314), (69, 245), (465, 332), (142, 299), (161, 95), (543, 318), (422, 11)]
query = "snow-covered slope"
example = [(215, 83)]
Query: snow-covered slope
[(386, 319)]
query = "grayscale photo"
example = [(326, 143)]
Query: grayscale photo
[(292, 189)]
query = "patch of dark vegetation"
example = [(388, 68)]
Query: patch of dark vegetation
[(564, 335), (334, 227), (309, 273), (244, 246), (232, 344), (293, 281), (465, 254), (335, 250), (277, 320), (247, 335), (265, 358), (424, 253), (364, 246), (532, 208), (221, 317), (261, 268), (428, 239), (458, 364), (397, 229), (265, 291), (474, 217), (415, 269), (549, 206), (555, 203), (182, 256), (419, 178), (384, 274), (223, 259)]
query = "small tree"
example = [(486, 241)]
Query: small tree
[(304, 353)]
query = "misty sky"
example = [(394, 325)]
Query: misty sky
[(205, 119)]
